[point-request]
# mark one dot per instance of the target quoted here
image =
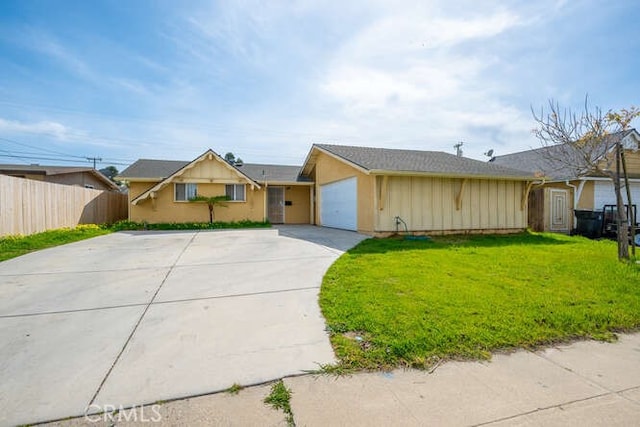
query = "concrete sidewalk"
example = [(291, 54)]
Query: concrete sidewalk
[(582, 384)]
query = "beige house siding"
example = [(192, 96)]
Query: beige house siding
[(327, 170), (165, 209), (299, 212), (429, 204), (587, 196), (210, 170), (633, 161), (35, 177), (136, 188), (211, 176)]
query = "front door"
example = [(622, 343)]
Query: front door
[(275, 205), (559, 210)]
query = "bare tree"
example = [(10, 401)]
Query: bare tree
[(588, 143)]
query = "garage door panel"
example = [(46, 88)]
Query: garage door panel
[(605, 195), (338, 204)]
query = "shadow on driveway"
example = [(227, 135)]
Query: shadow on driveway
[(339, 240)]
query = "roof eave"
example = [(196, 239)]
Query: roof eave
[(104, 179), (138, 179), (452, 175), (311, 157), (302, 183)]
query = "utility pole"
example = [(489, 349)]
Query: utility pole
[(631, 212), (94, 159)]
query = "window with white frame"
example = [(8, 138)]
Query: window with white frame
[(235, 192), (185, 192)]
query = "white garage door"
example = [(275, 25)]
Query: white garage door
[(605, 195), (338, 204)]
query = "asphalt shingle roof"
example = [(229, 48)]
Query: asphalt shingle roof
[(9, 169), (432, 162), (555, 161), (539, 160), (148, 168), (276, 173), (47, 170)]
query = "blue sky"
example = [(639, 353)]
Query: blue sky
[(167, 79)]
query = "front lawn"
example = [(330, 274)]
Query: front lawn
[(390, 302), (13, 246)]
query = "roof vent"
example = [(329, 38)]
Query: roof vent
[(458, 148)]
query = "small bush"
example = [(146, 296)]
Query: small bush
[(131, 225)]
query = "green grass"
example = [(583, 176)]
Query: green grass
[(280, 398), (234, 389), (390, 302), (13, 246)]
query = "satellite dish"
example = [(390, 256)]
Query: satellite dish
[(489, 153)]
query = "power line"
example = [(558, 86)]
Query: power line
[(56, 159), (39, 148), (54, 155)]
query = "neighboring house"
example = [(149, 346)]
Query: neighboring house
[(353, 188), (565, 189), (67, 175)]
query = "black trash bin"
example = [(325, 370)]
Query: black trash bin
[(589, 223)]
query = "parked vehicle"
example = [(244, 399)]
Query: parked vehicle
[(603, 223)]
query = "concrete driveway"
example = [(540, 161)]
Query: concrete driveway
[(136, 317)]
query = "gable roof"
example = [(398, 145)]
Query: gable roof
[(156, 170), (10, 169), (435, 163), (209, 154), (553, 161)]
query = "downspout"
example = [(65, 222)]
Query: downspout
[(577, 192), (265, 197)]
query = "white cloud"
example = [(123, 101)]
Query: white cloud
[(247, 76), (47, 128), (398, 33), (421, 77)]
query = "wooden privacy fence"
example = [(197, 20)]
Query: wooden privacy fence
[(28, 206)]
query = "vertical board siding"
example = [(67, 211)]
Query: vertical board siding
[(28, 206), (429, 204)]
